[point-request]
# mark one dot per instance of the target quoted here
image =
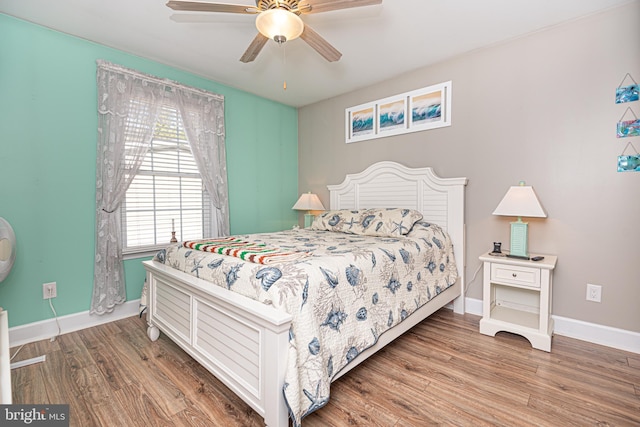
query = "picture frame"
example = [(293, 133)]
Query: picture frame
[(391, 118), (361, 122), (417, 110), (430, 107)]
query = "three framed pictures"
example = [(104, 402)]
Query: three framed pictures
[(418, 110)]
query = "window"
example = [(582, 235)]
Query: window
[(167, 192)]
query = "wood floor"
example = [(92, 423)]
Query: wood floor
[(442, 372)]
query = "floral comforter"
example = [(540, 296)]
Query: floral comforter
[(348, 292)]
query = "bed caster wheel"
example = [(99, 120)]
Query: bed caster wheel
[(153, 333)]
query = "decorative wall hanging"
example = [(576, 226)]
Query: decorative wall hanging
[(629, 163), (628, 93), (429, 108), (628, 128), (392, 116), (360, 122), (418, 110)]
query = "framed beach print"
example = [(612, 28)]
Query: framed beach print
[(430, 107), (392, 116), (361, 122)]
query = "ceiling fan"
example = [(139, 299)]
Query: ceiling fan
[(279, 20)]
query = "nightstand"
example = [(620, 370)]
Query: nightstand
[(516, 297)]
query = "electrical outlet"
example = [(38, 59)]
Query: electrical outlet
[(49, 290), (594, 293)]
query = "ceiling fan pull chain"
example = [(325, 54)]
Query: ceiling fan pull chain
[(284, 66)]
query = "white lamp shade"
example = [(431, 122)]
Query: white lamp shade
[(308, 202), (279, 22), (520, 200)]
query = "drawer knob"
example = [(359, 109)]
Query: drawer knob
[(514, 274)]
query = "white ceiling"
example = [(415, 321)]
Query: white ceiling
[(377, 42)]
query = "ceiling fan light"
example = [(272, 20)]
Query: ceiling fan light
[(279, 23)]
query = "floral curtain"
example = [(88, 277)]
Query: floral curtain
[(203, 119), (128, 107)]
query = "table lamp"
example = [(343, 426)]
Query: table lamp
[(308, 202), (520, 200)]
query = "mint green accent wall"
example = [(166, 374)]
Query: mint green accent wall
[(48, 124)]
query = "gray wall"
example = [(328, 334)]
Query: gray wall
[(539, 109)]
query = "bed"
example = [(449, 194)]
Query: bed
[(250, 341)]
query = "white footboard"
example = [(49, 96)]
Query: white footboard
[(240, 341)]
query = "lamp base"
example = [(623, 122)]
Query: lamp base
[(308, 220), (517, 256), (519, 239)]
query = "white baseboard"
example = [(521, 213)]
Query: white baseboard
[(46, 329), (473, 306), (590, 332), (597, 334)]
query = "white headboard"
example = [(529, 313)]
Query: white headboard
[(392, 185)]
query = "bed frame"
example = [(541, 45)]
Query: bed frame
[(218, 327)]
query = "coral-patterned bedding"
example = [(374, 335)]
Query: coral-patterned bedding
[(351, 289)]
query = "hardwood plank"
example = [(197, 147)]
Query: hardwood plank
[(605, 395), (27, 385), (140, 367), (563, 412), (75, 351), (351, 406), (62, 388), (139, 405)]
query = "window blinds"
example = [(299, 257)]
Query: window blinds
[(167, 193)]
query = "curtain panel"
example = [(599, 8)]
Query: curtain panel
[(203, 119), (128, 106)]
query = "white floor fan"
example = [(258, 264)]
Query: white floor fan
[(7, 258)]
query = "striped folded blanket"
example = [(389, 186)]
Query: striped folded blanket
[(258, 253)]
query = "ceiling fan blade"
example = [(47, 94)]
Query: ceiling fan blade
[(320, 45), (254, 48), (318, 6), (195, 6)]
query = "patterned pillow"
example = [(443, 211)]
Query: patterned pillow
[(424, 229), (391, 222), (430, 233)]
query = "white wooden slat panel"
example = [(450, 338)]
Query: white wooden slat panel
[(388, 191), (173, 307), (224, 342), (229, 360), (216, 337), (346, 200), (434, 206), (243, 340), (167, 311)]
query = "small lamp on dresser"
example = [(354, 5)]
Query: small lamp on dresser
[(520, 200), (308, 202)]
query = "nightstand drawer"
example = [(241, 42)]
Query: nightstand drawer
[(516, 275)]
